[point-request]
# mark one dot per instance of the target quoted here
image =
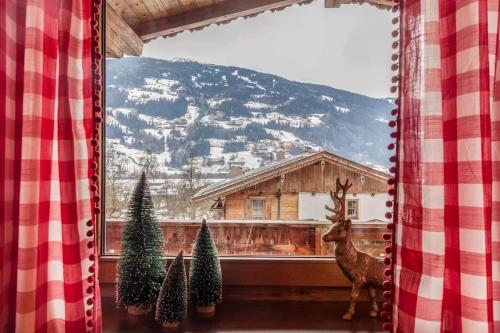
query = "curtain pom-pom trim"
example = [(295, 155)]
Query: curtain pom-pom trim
[(391, 216)]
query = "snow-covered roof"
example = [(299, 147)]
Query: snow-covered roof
[(275, 169)]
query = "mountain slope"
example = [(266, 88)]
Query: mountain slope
[(223, 113)]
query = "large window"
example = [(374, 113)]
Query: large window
[(248, 125)]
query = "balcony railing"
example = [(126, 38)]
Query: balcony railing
[(256, 237)]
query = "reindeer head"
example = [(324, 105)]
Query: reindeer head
[(341, 226)]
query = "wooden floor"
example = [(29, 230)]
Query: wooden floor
[(251, 316)]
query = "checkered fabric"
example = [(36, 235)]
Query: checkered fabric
[(45, 130), (447, 265)]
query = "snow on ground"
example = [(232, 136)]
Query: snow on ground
[(215, 102), (341, 109), (246, 79), (153, 132), (157, 89), (283, 135), (257, 105), (382, 119), (192, 114), (326, 98)]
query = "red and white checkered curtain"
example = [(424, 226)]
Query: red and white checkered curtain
[(46, 124), (447, 267)]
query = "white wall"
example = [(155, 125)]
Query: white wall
[(312, 206)]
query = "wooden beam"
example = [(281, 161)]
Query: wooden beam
[(120, 38), (200, 17)]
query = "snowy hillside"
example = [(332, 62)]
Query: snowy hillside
[(221, 114)]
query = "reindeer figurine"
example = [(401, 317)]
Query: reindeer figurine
[(360, 268)]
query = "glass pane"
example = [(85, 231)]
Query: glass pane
[(252, 132)]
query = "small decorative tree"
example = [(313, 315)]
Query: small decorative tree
[(205, 277), (171, 307), (140, 269)]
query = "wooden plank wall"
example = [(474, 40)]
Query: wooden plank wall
[(312, 178)]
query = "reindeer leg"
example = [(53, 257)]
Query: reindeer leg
[(354, 297), (373, 296)]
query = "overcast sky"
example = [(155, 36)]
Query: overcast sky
[(347, 48)]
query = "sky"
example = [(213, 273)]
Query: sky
[(347, 48)]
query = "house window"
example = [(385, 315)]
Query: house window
[(352, 208), (258, 209)]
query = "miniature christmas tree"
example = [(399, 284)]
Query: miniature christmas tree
[(140, 269), (205, 277), (171, 307)]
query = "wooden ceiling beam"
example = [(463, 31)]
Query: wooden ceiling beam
[(120, 38), (204, 16)]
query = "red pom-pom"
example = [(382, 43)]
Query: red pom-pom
[(89, 313), (388, 203), (391, 191), (394, 89), (91, 257), (90, 279), (395, 78), (390, 226), (98, 119), (394, 67), (395, 33), (396, 101), (93, 188), (392, 123), (394, 135), (93, 142), (97, 154), (384, 314), (93, 165), (395, 45), (94, 178), (391, 181), (388, 249), (395, 20), (90, 290), (387, 294), (394, 57), (90, 223), (387, 272), (97, 198), (387, 326), (394, 112), (90, 323), (392, 170), (90, 301), (395, 8), (97, 210), (388, 215), (386, 284), (387, 260), (387, 305), (393, 159), (90, 233), (90, 245), (91, 269), (387, 236)]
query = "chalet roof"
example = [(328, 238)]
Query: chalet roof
[(131, 23), (276, 169)]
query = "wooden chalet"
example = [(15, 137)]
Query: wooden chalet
[(297, 189), (131, 23)]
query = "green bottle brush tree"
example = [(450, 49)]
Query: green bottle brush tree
[(205, 277), (140, 268)]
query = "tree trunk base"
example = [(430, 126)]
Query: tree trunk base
[(138, 310), (206, 311), (171, 325)]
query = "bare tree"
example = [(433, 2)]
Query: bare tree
[(116, 187)]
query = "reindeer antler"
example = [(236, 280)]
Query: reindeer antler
[(338, 201)]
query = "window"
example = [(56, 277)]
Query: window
[(352, 208), (238, 134), (258, 209)]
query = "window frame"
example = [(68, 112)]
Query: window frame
[(356, 215)]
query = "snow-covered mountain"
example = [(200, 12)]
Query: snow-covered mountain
[(221, 114)]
